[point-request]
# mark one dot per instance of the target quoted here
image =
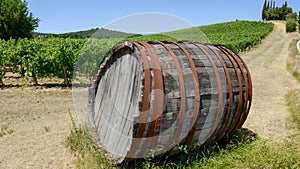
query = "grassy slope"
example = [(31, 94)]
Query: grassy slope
[(238, 35), (99, 33)]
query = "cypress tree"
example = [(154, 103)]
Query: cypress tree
[(264, 11), (268, 5), (299, 20)]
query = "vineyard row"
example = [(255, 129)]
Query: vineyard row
[(56, 57)]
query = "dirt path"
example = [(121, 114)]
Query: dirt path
[(41, 123), (269, 116)]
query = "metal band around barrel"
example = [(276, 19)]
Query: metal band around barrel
[(240, 103), (249, 82), (182, 92), (146, 101), (197, 95), (244, 113), (158, 102), (229, 84), (220, 92)]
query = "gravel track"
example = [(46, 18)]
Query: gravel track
[(269, 116)]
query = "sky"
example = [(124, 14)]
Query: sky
[(61, 16)]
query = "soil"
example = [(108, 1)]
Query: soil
[(269, 116), (41, 122)]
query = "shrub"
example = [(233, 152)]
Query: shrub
[(291, 25)]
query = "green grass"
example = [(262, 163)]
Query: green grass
[(82, 146), (243, 150), (258, 154), (239, 35)]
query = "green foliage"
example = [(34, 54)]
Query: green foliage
[(15, 20), (292, 16), (271, 12), (57, 57), (291, 25), (239, 35), (39, 58), (93, 54), (299, 21), (5, 53), (264, 10)]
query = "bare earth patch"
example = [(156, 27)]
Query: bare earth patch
[(269, 116), (41, 123)]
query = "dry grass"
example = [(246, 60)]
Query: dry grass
[(293, 97), (293, 61)]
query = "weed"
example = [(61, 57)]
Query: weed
[(5, 130), (82, 146), (46, 128)]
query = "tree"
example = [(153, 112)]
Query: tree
[(283, 11), (264, 11), (292, 16), (15, 20), (299, 19), (271, 12)]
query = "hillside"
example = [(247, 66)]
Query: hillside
[(238, 35), (99, 33)]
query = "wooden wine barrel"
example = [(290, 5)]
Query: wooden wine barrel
[(148, 97)]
